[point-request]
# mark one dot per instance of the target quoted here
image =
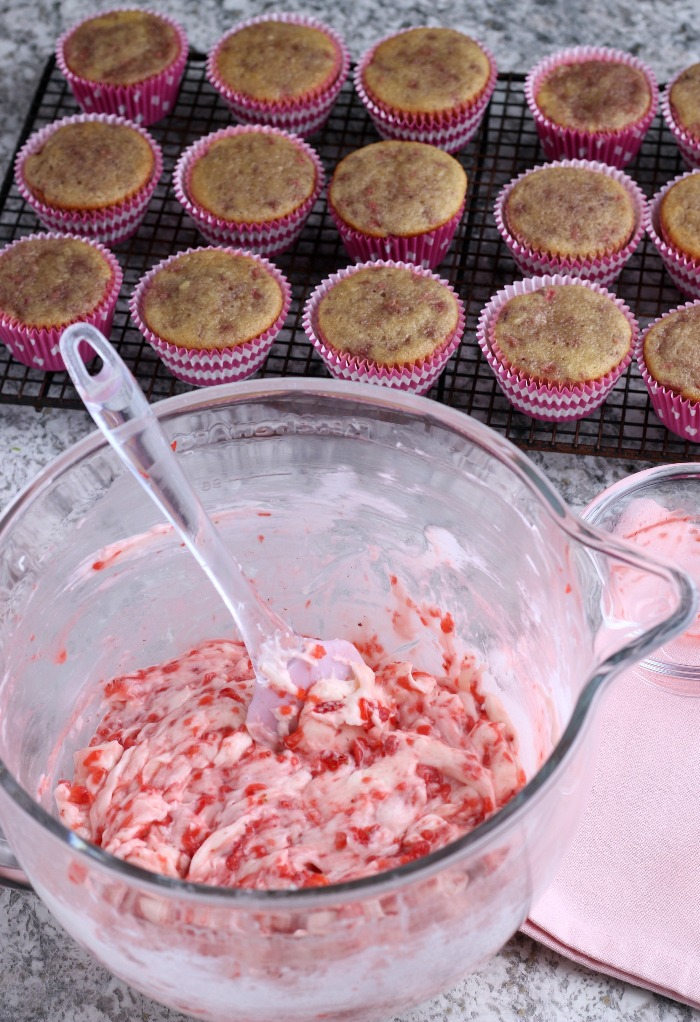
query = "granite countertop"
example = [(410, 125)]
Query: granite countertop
[(44, 975)]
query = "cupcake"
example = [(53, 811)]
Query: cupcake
[(285, 70), (249, 186), (92, 174), (668, 355), (397, 200), (592, 103), (385, 322), (47, 282), (673, 223), (556, 344), (427, 85), (575, 217), (211, 314), (126, 62), (680, 106)]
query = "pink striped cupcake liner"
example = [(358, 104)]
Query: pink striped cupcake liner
[(269, 238), (616, 148), (426, 250), (678, 414), (38, 347), (449, 131), (419, 377), (688, 145), (603, 269), (547, 402), (217, 365), (683, 271), (110, 225), (144, 102), (303, 117)]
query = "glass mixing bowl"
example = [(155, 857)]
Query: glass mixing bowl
[(327, 491)]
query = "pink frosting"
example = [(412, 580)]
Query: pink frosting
[(381, 769)]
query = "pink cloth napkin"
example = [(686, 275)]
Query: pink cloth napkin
[(626, 900)]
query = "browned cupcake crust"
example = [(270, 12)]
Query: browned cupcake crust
[(427, 70), (273, 61), (389, 315), (672, 352), (679, 216), (121, 47), (397, 188), (252, 177), (562, 334), (89, 165), (594, 95), (570, 212), (211, 299), (684, 99), (50, 282)]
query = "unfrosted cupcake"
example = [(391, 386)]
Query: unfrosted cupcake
[(47, 282), (680, 106), (249, 186), (385, 322), (126, 61), (668, 355), (427, 85), (211, 314), (592, 103), (576, 217), (556, 344), (397, 200), (92, 175), (673, 223), (280, 69)]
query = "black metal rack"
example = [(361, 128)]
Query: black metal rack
[(477, 265)]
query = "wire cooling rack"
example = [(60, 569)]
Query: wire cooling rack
[(477, 265)]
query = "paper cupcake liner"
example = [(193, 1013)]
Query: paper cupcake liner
[(678, 414), (221, 365), (616, 148), (38, 347), (143, 102), (683, 271), (426, 250), (688, 146), (539, 400), (602, 269), (269, 238), (109, 225), (450, 131), (302, 116), (418, 377)]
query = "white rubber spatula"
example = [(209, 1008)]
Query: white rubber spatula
[(285, 663)]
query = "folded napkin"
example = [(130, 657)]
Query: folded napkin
[(626, 900)]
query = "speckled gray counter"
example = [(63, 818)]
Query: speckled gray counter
[(44, 975)]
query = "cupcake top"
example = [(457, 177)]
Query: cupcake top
[(427, 70), (672, 351), (121, 47), (274, 61), (679, 215), (51, 281), (563, 334), (252, 177), (387, 314), (397, 188), (211, 298), (594, 95), (571, 212), (88, 165), (684, 99)]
